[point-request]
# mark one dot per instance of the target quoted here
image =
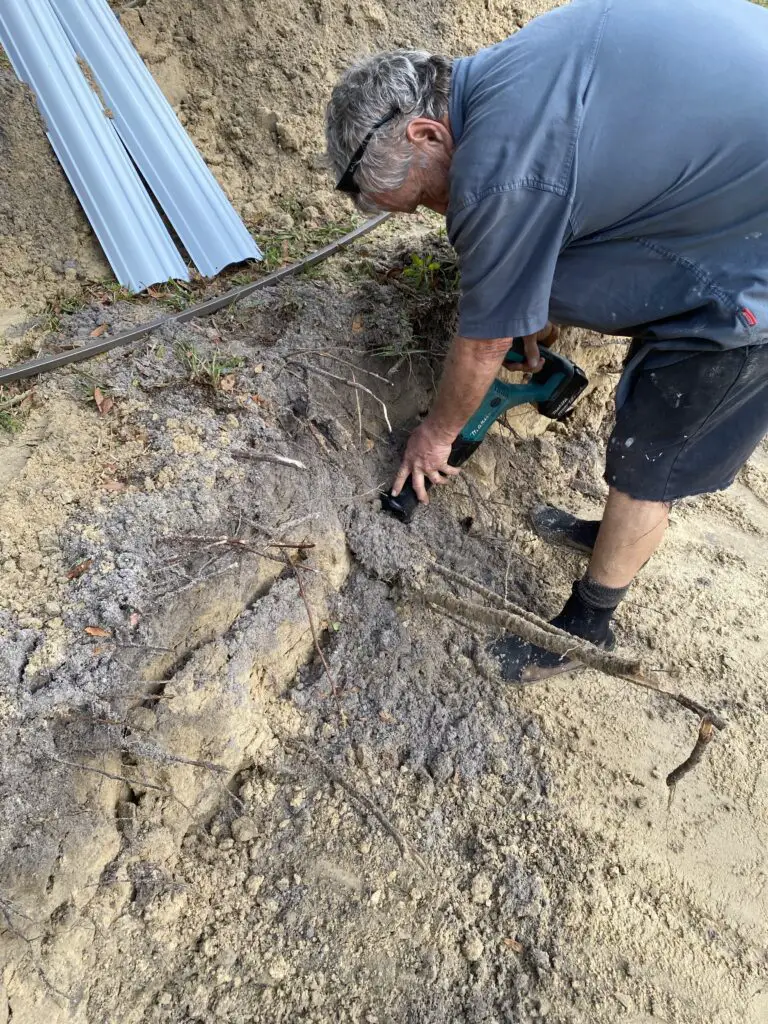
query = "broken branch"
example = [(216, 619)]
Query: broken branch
[(16, 400), (706, 734)]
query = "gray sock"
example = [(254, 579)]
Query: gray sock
[(596, 595)]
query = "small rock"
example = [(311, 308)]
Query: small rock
[(441, 767), (288, 136), (142, 719), (624, 1001), (278, 969), (30, 560), (253, 884), (541, 959), (244, 829), (481, 888), (472, 949)]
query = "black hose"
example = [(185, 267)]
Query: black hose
[(44, 364)]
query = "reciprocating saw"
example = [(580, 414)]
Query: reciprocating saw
[(553, 390)]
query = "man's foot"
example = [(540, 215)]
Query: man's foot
[(524, 663), (555, 526)]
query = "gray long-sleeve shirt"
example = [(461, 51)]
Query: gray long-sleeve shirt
[(611, 171)]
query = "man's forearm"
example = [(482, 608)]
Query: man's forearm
[(469, 370)]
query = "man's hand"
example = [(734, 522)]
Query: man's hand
[(426, 455), (533, 362)]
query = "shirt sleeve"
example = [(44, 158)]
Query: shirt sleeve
[(508, 244)]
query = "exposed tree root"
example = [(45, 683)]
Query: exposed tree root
[(513, 618)]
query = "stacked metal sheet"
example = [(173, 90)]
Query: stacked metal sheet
[(101, 138)]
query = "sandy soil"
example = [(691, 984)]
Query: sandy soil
[(409, 841), (413, 841)]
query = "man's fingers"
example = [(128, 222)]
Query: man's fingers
[(402, 475), (533, 358), (417, 479)]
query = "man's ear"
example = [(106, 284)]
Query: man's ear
[(424, 133)]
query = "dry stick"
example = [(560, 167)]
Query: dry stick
[(359, 416), (281, 460), (346, 362), (15, 400), (220, 542), (194, 583), (404, 846), (349, 383), (706, 734), (565, 644), (110, 775), (318, 648)]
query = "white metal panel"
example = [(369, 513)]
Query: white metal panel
[(203, 217), (127, 224)]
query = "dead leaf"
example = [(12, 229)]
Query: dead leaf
[(103, 402), (227, 382), (514, 945), (98, 331), (357, 325), (79, 569), (97, 631), (386, 717)]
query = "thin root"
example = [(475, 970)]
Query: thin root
[(369, 806)]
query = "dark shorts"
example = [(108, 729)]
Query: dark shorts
[(688, 428)]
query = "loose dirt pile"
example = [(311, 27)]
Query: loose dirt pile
[(200, 821)]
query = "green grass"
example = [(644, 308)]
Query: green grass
[(11, 423), (208, 369)]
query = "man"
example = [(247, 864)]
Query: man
[(607, 167)]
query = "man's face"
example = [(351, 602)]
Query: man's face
[(427, 183)]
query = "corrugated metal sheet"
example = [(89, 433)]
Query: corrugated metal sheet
[(196, 206), (105, 181)]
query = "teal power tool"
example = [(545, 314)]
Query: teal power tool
[(553, 389)]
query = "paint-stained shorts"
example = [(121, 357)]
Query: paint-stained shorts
[(688, 428)]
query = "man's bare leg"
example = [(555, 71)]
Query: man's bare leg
[(629, 534)]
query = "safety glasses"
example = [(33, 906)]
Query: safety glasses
[(346, 182)]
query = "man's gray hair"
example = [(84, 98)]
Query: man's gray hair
[(413, 82)]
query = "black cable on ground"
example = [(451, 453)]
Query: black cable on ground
[(44, 364)]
